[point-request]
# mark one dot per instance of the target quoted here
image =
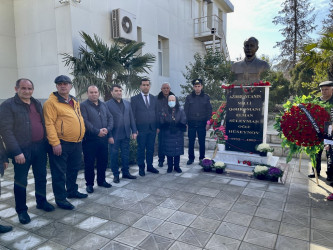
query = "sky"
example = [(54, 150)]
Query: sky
[(254, 18)]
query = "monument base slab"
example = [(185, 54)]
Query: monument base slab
[(244, 162)]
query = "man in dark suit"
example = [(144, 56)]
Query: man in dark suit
[(124, 128), (144, 111)]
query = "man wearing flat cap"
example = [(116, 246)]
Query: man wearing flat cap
[(65, 130), (326, 89), (198, 110)]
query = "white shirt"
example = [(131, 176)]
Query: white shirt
[(144, 98)]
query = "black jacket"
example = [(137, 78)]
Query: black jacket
[(16, 127), (96, 117), (198, 109), (145, 118), (172, 131), (162, 103)]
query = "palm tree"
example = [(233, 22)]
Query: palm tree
[(320, 54), (102, 65)]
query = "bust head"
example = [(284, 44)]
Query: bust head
[(251, 45)]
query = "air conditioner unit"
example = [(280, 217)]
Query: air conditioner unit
[(123, 25)]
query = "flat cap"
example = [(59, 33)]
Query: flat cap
[(62, 78), (197, 81), (326, 83)]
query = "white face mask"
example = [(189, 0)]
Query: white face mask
[(171, 104)]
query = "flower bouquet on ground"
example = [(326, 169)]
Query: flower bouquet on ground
[(219, 167), (274, 174), (263, 149), (207, 164), (260, 172)]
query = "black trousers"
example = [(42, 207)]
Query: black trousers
[(173, 161), (64, 169), (161, 156), (146, 143), (38, 161), (192, 132), (95, 150)]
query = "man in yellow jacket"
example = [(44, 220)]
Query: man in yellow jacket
[(65, 130)]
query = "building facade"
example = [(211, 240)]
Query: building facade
[(35, 33)]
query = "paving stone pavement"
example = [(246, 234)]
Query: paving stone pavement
[(191, 210)]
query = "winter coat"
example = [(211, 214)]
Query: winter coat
[(162, 103), (16, 126), (172, 131), (62, 121), (198, 109), (96, 117)]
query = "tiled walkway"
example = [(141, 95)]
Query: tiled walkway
[(192, 210)]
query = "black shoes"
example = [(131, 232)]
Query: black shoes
[(160, 164), (5, 229), (142, 172), (152, 170), (116, 179), (77, 195), (105, 184), (329, 178), (47, 207), (128, 176), (24, 217), (90, 189), (65, 205), (189, 162), (313, 175), (169, 170), (178, 170)]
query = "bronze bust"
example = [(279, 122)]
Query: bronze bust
[(249, 70)]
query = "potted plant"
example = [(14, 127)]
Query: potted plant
[(260, 172), (274, 174), (207, 164), (263, 148), (219, 167)]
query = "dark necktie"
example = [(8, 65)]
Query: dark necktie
[(146, 101)]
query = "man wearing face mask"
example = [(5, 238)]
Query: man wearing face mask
[(173, 125), (198, 110)]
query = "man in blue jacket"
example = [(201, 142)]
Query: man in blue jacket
[(99, 123), (144, 110), (23, 131), (124, 128)]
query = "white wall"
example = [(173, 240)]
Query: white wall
[(35, 33), (8, 63), (171, 19)]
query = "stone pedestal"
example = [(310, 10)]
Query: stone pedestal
[(237, 161)]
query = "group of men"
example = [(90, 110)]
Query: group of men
[(63, 129)]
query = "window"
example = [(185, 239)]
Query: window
[(163, 56)]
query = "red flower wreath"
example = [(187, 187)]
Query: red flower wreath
[(297, 128)]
